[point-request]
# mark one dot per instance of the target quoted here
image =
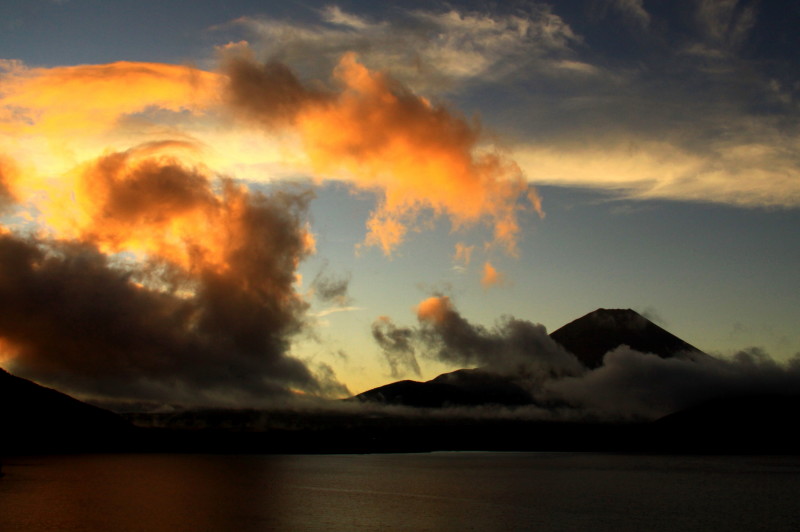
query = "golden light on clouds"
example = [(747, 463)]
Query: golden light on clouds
[(162, 213), (87, 98), (368, 130), (375, 134), (419, 155)]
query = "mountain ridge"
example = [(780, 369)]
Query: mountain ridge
[(37, 418)]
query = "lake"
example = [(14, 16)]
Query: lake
[(436, 491)]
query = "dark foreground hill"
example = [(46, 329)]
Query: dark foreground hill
[(589, 338), (741, 423), (35, 419)]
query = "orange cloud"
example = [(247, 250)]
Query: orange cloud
[(148, 201), (370, 131), (491, 277), (435, 309), (376, 134), (92, 97), (8, 173), (419, 155), (463, 253), (52, 119)]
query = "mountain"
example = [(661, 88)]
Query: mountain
[(464, 387), (589, 338), (592, 336), (36, 419)]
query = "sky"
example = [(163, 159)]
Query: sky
[(217, 202)]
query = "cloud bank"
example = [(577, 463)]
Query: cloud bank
[(634, 385)]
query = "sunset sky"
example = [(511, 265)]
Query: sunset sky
[(212, 201)]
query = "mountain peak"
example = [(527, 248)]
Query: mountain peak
[(615, 314), (591, 336)]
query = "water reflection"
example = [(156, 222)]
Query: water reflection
[(440, 491)]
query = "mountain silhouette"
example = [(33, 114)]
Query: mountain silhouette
[(464, 387), (589, 338), (36, 419), (732, 424)]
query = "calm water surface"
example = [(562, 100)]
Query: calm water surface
[(438, 491)]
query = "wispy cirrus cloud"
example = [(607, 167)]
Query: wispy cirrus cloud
[(429, 50), (757, 173), (703, 112), (725, 23), (634, 11), (335, 310)]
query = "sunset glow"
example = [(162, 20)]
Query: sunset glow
[(269, 200)]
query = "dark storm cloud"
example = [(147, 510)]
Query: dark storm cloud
[(207, 318), (268, 93), (74, 321), (396, 343), (328, 384), (331, 288), (511, 347)]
